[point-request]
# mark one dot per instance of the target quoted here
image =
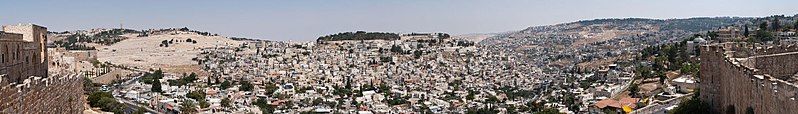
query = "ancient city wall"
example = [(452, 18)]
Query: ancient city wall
[(781, 66), (727, 85), (52, 95), (777, 49)]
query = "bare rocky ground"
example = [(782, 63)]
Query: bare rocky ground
[(474, 37), (146, 52)]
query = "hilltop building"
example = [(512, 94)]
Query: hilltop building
[(729, 34)]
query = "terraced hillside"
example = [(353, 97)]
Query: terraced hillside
[(567, 44)]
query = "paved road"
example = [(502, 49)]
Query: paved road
[(132, 106), (660, 108)]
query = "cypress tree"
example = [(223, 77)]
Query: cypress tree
[(745, 32), (796, 25), (156, 86), (775, 24)]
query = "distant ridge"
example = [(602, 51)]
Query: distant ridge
[(359, 35), (696, 24)]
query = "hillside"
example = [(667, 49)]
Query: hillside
[(577, 34), (150, 52), (90, 39), (579, 43)]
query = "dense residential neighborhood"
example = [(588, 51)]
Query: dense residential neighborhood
[(366, 72), (399, 57)]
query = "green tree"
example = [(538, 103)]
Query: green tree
[(492, 99), (156, 86), (226, 102), (745, 31), (417, 54), (105, 101), (110, 104), (396, 49), (164, 43), (271, 88), (196, 95), (188, 107), (397, 101), (633, 89), (317, 101), (511, 110), (88, 85), (535, 106), (776, 24), (225, 84), (643, 72), (762, 36), (94, 98), (795, 26), (385, 88), (204, 104), (264, 105), (692, 106), (140, 110), (763, 26), (471, 95), (712, 34), (191, 78), (246, 86)]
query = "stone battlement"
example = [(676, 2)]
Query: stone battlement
[(736, 77), (55, 94)]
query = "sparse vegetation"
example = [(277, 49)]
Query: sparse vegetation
[(185, 80), (150, 78), (226, 84), (359, 35), (164, 43), (246, 86), (188, 107), (105, 101), (692, 106)]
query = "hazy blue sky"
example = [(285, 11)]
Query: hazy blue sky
[(303, 20)]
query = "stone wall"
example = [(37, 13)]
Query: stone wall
[(727, 85), (22, 52), (781, 66), (36, 37), (51, 95), (777, 49)]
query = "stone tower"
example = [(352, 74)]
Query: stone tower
[(35, 37)]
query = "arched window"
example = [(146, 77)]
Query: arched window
[(17, 52), (6, 53), (749, 110), (730, 109)]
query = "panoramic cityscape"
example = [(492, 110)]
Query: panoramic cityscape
[(411, 57)]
